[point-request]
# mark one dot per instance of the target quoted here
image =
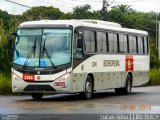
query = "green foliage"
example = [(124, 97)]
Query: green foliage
[(82, 12), (130, 18), (42, 12), (5, 83), (154, 61), (5, 17), (119, 14), (4, 54), (154, 77), (67, 16)]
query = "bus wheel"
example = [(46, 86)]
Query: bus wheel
[(37, 96), (87, 94), (127, 89)]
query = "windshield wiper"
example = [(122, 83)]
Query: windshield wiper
[(49, 57), (33, 48)]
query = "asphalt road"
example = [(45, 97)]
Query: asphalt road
[(143, 100)]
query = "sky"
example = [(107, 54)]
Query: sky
[(67, 5)]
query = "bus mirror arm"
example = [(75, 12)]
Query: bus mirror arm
[(10, 41)]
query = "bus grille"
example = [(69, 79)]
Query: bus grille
[(39, 88)]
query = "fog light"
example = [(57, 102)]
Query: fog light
[(15, 88)]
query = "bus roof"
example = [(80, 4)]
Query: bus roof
[(81, 23)]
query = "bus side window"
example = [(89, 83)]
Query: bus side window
[(134, 39), (131, 47), (92, 39), (104, 42), (99, 42), (115, 39), (125, 40), (132, 44), (87, 41), (111, 42), (145, 45), (121, 44), (140, 45)]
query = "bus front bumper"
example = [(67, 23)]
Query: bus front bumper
[(22, 86)]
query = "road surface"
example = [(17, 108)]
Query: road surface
[(143, 100)]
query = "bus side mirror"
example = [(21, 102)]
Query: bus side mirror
[(79, 43), (80, 35), (10, 41)]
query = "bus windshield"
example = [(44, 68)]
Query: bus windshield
[(42, 47)]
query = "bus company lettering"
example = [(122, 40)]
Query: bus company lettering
[(111, 63)]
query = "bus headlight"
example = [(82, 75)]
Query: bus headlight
[(62, 81), (63, 77), (15, 77)]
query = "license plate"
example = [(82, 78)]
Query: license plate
[(59, 84), (28, 77)]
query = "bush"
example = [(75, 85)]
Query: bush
[(5, 83), (154, 77)]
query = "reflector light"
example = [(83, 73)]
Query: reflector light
[(59, 84)]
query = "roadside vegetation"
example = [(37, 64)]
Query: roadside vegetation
[(5, 83), (154, 77), (122, 14)]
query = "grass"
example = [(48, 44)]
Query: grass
[(5, 83), (6, 89), (154, 77)]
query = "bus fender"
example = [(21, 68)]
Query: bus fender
[(88, 73), (131, 74)]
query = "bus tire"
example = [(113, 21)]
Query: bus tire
[(37, 96), (128, 87), (87, 94)]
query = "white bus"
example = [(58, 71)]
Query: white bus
[(78, 56)]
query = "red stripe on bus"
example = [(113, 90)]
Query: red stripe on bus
[(129, 63)]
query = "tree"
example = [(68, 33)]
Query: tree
[(119, 13), (82, 12), (5, 17), (68, 15), (42, 12)]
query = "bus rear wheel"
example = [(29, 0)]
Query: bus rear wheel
[(37, 96), (87, 94), (127, 89)]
